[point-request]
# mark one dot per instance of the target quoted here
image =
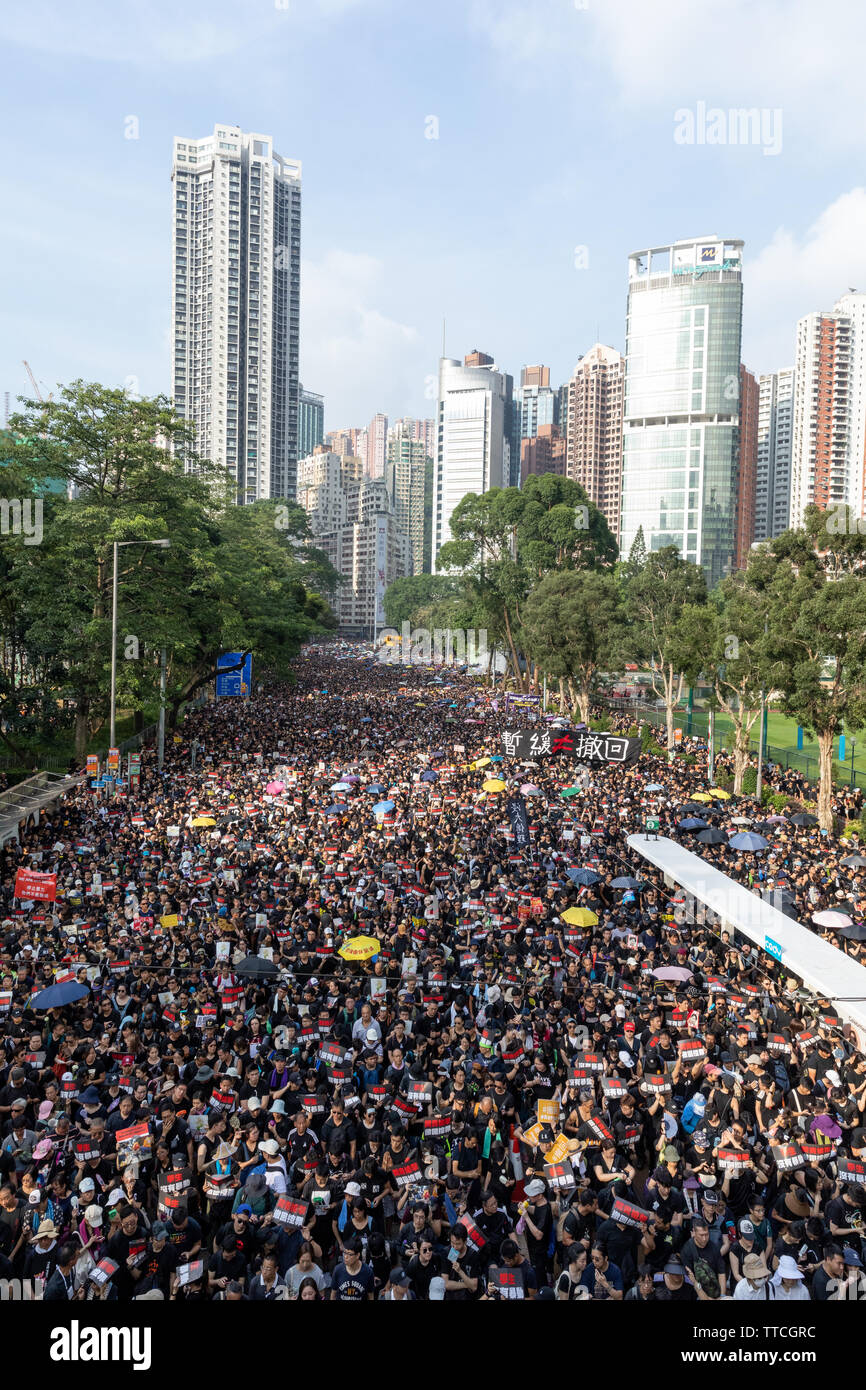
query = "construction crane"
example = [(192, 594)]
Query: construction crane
[(35, 384)]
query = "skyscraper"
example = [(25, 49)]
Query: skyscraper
[(773, 468), (748, 465), (311, 421), (594, 428), (828, 455), (682, 390), (353, 522), (405, 475), (535, 400), (473, 449), (236, 249), (377, 446)]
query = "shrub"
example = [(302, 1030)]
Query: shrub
[(750, 781)]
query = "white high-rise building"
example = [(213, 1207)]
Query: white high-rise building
[(775, 437), (236, 251), (473, 452)]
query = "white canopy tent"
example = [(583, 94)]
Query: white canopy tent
[(822, 967)]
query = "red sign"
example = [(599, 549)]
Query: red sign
[(31, 885)]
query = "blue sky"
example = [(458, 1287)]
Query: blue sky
[(555, 131)]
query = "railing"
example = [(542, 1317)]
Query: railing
[(696, 725)]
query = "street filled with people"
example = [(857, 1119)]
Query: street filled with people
[(348, 1003)]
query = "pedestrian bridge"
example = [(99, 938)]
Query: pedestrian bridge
[(823, 968), (28, 798)]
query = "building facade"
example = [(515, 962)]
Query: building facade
[(773, 453), (236, 247), (545, 452), (680, 461), (748, 467), (353, 523), (473, 443), (828, 454), (405, 479), (594, 429), (311, 421)]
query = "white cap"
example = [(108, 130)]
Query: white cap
[(269, 1147), (93, 1215)]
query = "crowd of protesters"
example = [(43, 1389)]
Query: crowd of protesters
[(497, 1097)]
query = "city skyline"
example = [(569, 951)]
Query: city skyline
[(90, 296)]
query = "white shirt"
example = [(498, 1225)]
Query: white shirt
[(745, 1291)]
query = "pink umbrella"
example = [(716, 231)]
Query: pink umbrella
[(673, 972), (529, 790), (274, 788)]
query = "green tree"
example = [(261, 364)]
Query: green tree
[(666, 600), (817, 634), (570, 628)]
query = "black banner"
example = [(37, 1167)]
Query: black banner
[(586, 747), (516, 808)]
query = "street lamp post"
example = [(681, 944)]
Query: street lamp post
[(163, 544)]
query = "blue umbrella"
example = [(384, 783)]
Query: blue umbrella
[(429, 776), (57, 995), (692, 823), (653, 787), (497, 758), (383, 806), (335, 810), (748, 841), (627, 882), (586, 877), (376, 788)]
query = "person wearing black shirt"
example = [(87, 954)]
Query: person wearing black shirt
[(424, 1267)]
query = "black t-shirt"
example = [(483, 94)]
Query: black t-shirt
[(471, 1266), (420, 1275)]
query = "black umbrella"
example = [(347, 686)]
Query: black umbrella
[(256, 966), (853, 861), (804, 818), (856, 932), (712, 836)]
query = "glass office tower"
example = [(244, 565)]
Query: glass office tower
[(682, 401)]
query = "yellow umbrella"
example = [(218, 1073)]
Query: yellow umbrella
[(360, 948), (701, 796), (479, 762), (720, 795), (203, 820), (493, 784), (579, 917)]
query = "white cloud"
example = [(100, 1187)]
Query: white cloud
[(794, 276), (158, 32), (776, 53), (361, 360)]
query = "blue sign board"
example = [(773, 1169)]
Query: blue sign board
[(237, 683), (772, 948)]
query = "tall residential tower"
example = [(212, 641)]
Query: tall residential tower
[(236, 250)]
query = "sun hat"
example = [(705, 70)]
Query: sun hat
[(787, 1269), (47, 1231), (755, 1267)]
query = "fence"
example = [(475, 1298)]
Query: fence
[(695, 724)]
